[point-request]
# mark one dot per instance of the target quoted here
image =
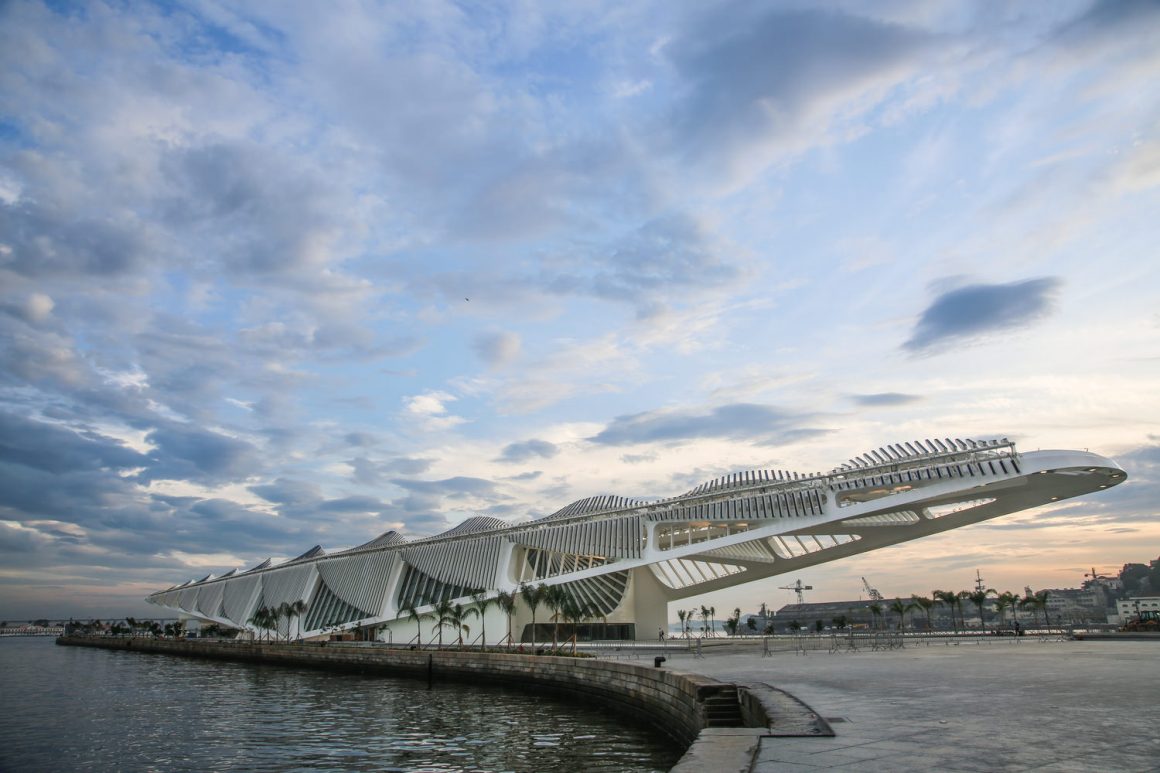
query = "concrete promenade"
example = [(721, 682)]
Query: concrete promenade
[(984, 705)]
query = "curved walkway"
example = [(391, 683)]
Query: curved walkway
[(984, 705)]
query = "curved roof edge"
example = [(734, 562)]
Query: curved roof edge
[(391, 537), (475, 523)]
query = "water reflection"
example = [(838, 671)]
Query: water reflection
[(101, 710)]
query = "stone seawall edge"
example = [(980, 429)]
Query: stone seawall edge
[(671, 702)]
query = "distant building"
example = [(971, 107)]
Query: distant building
[(1110, 585), (1143, 607), (857, 614), (1077, 606)]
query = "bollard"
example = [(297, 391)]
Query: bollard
[(658, 660)]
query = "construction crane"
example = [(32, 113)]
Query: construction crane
[(798, 588), (874, 594), (1096, 576)]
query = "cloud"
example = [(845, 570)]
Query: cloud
[(260, 214), (35, 308), (355, 504), (85, 497), (430, 410), (57, 450), (646, 265), (497, 349), (979, 310), (529, 449), (1134, 500), (669, 260), (885, 399), (220, 510), (188, 453), (285, 491), (423, 507), (740, 421), (1106, 28), (428, 404), (372, 473), (456, 487), (763, 82), (46, 240), (360, 439)]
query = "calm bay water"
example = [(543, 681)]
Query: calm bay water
[(73, 708)]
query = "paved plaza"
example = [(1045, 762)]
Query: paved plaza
[(984, 705)]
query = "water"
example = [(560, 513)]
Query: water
[(74, 708)]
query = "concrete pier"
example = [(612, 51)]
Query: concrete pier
[(678, 704)]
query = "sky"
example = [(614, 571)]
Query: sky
[(275, 275)]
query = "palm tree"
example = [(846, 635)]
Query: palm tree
[(963, 595), (574, 610), (1001, 605), (1004, 601), (951, 599), (533, 596), (979, 598), (279, 612), (442, 614), (704, 620), (264, 619), (936, 596), (926, 605), (482, 602), (681, 614), (875, 612), (692, 613), (417, 616), (1041, 602), (296, 609), (736, 620), (712, 621), (288, 611), (1036, 601), (900, 608), (555, 597), (1000, 609), (459, 614), (507, 603)]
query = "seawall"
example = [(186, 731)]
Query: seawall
[(680, 705)]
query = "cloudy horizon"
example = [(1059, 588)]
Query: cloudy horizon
[(287, 276)]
